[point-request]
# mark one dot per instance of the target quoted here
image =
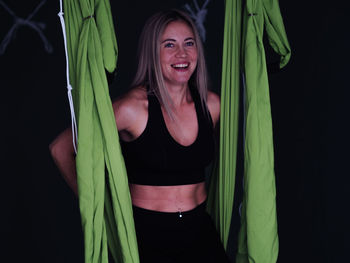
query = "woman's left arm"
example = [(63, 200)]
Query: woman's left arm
[(213, 102)]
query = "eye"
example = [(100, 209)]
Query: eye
[(189, 43), (169, 45)]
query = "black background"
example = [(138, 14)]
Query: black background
[(39, 214)]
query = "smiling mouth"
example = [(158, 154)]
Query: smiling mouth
[(180, 66)]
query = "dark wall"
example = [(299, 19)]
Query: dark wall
[(40, 216), (309, 107)]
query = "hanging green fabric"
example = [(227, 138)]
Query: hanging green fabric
[(258, 239), (222, 183), (105, 203)]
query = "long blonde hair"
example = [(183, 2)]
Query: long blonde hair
[(149, 72)]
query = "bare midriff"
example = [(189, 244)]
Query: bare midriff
[(173, 198)]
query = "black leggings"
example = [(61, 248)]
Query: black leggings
[(167, 237)]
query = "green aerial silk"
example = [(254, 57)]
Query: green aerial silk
[(258, 239), (243, 51), (105, 203), (222, 183)]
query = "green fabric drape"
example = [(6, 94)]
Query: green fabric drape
[(243, 51), (258, 239), (104, 201), (222, 183)]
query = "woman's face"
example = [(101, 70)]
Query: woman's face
[(178, 53)]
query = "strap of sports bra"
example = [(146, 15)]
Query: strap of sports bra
[(154, 111)]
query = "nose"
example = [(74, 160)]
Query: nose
[(181, 52)]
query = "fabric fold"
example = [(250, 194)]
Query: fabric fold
[(104, 198)]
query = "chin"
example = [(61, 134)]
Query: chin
[(181, 82)]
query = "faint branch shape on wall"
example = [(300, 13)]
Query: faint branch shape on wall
[(198, 15), (37, 26)]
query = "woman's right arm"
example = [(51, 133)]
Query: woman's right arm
[(62, 152), (131, 118)]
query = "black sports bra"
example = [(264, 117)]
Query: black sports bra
[(155, 158)]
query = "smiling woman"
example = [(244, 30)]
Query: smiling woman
[(166, 125)]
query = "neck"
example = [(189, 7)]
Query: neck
[(179, 94)]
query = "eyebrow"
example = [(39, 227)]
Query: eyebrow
[(173, 40)]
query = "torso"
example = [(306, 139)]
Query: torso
[(131, 116), (173, 198)]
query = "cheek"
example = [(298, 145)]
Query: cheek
[(165, 59), (195, 59), (194, 55)]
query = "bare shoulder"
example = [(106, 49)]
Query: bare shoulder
[(213, 102), (130, 108)]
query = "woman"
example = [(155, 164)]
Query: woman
[(166, 124)]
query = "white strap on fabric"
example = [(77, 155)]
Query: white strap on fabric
[(69, 87)]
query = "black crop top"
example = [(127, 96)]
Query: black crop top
[(155, 158)]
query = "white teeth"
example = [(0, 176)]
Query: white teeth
[(180, 65)]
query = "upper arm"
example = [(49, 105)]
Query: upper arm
[(123, 114), (130, 113), (213, 102)]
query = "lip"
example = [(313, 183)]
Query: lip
[(181, 65)]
